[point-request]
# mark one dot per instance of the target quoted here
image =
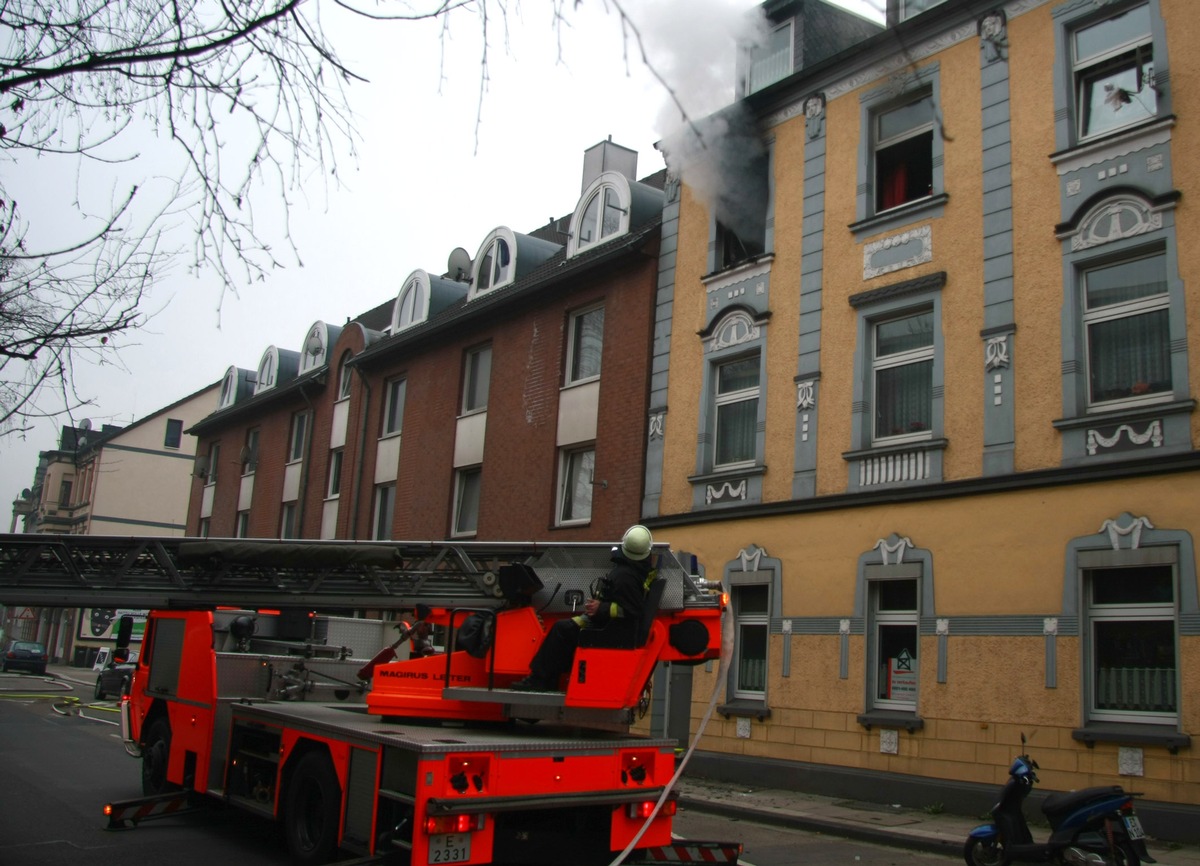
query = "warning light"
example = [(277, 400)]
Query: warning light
[(438, 824), (645, 809)]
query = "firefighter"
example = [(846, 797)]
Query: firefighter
[(616, 603)]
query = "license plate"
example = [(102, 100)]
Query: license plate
[(1133, 827), (450, 848)]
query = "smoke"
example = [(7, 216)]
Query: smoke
[(708, 141)]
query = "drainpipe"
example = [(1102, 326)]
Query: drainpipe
[(303, 494), (359, 457)]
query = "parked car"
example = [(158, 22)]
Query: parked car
[(24, 655), (114, 678)]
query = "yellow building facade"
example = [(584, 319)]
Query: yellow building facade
[(929, 417)]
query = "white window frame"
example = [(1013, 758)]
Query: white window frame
[(884, 618), (727, 399), (1132, 612), (881, 143), (1122, 310), (881, 363), (496, 264), (345, 376), (383, 512), (241, 526), (333, 484), (250, 464), (766, 66), (477, 376), (760, 622), (214, 458), (297, 437), (467, 484), (573, 464), (396, 392), (611, 193), (287, 521), (578, 348), (1131, 55)]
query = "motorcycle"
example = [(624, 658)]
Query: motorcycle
[(1089, 827)]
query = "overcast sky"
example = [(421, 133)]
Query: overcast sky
[(426, 179)]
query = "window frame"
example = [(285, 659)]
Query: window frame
[(759, 58), (241, 525), (893, 361), (497, 275), (287, 520), (297, 437), (345, 375), (250, 464), (173, 435), (568, 469), (463, 478), (922, 82), (474, 398), (214, 458), (576, 338), (736, 397), (412, 304), (901, 142), (395, 396), (879, 619), (383, 511), (333, 482), (1089, 73), (759, 621)]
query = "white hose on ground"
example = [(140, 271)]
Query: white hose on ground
[(722, 669)]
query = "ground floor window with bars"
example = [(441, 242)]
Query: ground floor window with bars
[(1133, 643)]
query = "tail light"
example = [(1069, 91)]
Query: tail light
[(438, 824), (644, 809)]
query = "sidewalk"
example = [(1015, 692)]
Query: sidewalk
[(940, 833)]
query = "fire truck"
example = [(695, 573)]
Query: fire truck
[(259, 685)]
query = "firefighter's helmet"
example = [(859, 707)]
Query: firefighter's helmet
[(636, 542)]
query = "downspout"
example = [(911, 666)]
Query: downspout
[(359, 457), (303, 494)]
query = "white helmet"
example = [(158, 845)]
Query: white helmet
[(635, 544)]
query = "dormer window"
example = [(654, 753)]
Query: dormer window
[(412, 305), (603, 212), (316, 344), (268, 370), (229, 389), (494, 264)]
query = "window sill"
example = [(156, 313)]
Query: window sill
[(1131, 733), (906, 213), (1096, 148), (726, 474), (891, 719), (740, 270), (1147, 411), (745, 708)]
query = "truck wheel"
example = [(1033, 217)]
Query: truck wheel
[(312, 809), (155, 753)]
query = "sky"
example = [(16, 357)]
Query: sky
[(437, 166)]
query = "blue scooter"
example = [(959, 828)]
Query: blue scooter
[(1090, 827)]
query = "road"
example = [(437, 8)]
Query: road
[(58, 769)]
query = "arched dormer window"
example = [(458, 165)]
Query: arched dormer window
[(412, 304), (316, 347), (268, 370), (603, 212), (495, 266), (229, 388)]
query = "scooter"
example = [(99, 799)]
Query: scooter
[(1089, 827)]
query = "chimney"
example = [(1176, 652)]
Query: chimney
[(607, 156)]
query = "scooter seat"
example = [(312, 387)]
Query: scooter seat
[(1059, 805)]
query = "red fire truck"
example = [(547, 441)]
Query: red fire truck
[(251, 690)]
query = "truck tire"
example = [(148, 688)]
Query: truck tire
[(155, 753), (311, 811)]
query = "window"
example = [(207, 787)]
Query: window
[(737, 390), (250, 452), (584, 345), (174, 435), (393, 406), (894, 639), (296, 442), (287, 522), (466, 501), (1127, 321), (242, 527), (903, 137), (740, 225), (1113, 66), (902, 373), (1131, 615), (203, 529), (909, 8), (334, 488), (64, 492), (602, 217), (477, 373), (495, 266), (751, 618), (344, 377), (412, 304), (385, 509), (772, 60), (214, 457), (576, 472)]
